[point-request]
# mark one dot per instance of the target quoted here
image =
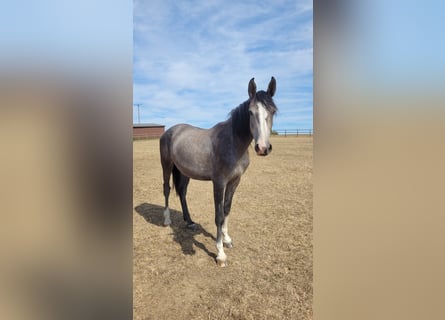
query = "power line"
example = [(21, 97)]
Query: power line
[(138, 104)]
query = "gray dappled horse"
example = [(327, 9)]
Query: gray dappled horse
[(219, 154)]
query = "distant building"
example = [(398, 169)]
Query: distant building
[(147, 130)]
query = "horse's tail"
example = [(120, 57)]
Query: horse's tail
[(177, 179)]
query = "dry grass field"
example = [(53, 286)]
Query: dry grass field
[(269, 272)]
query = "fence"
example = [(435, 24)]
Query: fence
[(295, 132)]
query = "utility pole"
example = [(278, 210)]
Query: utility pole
[(138, 104)]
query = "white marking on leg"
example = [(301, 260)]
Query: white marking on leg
[(221, 256), (167, 220), (225, 229)]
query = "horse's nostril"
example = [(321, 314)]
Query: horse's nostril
[(263, 151)]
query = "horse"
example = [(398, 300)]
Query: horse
[(219, 154)]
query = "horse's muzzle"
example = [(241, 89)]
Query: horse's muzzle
[(263, 151)]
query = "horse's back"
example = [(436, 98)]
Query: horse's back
[(185, 134)]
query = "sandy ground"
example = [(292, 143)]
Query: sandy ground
[(269, 272)]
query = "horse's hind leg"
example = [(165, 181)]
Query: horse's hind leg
[(167, 170), (181, 183), (185, 210)]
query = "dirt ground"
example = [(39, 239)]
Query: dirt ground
[(269, 272)]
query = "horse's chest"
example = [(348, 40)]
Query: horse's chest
[(234, 167), (239, 170)]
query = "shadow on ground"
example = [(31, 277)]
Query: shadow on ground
[(186, 238)]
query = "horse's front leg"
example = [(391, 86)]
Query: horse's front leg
[(228, 196), (218, 195)]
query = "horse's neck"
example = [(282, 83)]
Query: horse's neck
[(241, 142)]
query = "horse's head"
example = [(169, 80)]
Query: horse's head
[(261, 110)]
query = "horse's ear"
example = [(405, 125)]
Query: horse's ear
[(252, 88), (272, 87)]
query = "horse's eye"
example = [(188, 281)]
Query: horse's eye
[(250, 112)]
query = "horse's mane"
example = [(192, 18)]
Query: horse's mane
[(240, 119), (240, 115)]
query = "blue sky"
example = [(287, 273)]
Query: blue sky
[(194, 59)]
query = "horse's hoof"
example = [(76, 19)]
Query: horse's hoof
[(221, 263), (192, 226), (228, 245), (167, 223)]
